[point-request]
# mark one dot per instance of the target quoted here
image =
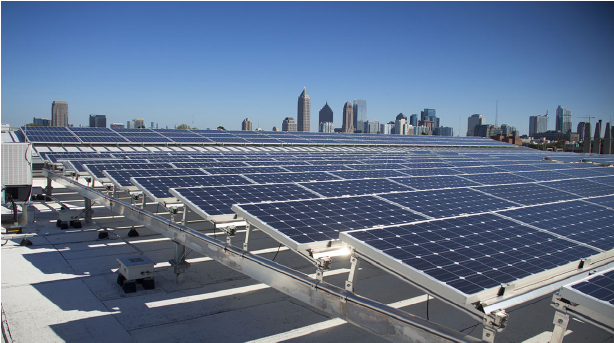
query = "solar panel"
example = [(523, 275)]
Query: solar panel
[(96, 169), (214, 203), (429, 172), (577, 220), (496, 179), (290, 177), (583, 172), (121, 178), (355, 187), (435, 182), (599, 286), (467, 259), (448, 202), (365, 174), (595, 293), (607, 201), (156, 188), (316, 223), (244, 170), (208, 164), (316, 168), (479, 170), (527, 194), (581, 187), (542, 175)]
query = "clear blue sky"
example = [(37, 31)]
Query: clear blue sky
[(216, 63)]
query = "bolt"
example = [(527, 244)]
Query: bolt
[(488, 335), (560, 321)]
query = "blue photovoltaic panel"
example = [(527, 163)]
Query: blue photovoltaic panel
[(319, 221), (365, 174), (244, 170), (290, 177), (600, 287), (208, 164), (519, 167), (96, 169), (157, 187), (453, 163), (542, 175), (496, 179), (376, 166), (583, 172), (435, 182), (576, 220), (429, 172), (448, 202), (354, 187), (122, 177), (527, 194), (469, 254), (607, 201), (429, 165), (316, 168), (479, 170), (606, 180), (581, 187), (219, 199)]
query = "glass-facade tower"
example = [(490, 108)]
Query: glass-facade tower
[(360, 115)]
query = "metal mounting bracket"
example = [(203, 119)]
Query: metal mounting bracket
[(351, 281), (322, 264), (494, 322)]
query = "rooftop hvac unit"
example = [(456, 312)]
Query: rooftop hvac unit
[(16, 171)]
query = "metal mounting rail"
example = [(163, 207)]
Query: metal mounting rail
[(377, 318)]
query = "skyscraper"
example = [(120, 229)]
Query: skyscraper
[(59, 113), (304, 112), (348, 118), (325, 116), (538, 124), (98, 120), (563, 119), (472, 122), (427, 116), (246, 125), (360, 115), (288, 124), (580, 130), (401, 127), (413, 120)]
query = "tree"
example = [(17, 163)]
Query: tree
[(183, 127), (221, 128)]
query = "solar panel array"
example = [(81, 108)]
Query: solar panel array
[(44, 134), (459, 221)]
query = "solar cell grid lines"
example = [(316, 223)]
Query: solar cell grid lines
[(581, 187), (542, 175), (435, 182), (290, 177), (96, 170), (479, 170), (583, 172), (496, 178), (216, 201), (355, 187), (313, 223), (366, 174), (472, 254), (157, 187), (527, 194), (600, 287), (607, 201), (208, 164), (244, 170), (448, 202), (375, 166), (310, 168), (429, 172), (575, 220), (122, 177)]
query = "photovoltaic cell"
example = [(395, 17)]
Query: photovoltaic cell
[(122, 177), (496, 179), (429, 172), (448, 202), (157, 187), (307, 223), (543, 175), (435, 182), (600, 287), (290, 177), (469, 254), (219, 199), (581, 187), (354, 187), (527, 194), (365, 174), (576, 220), (607, 201), (244, 170)]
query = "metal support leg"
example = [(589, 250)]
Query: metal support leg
[(322, 264), (246, 243), (349, 284), (48, 189), (143, 202), (88, 210), (561, 320), (184, 221), (179, 263)]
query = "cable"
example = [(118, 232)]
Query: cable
[(472, 327), (276, 253)]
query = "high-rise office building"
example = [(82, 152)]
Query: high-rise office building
[(325, 114), (387, 128), (538, 124), (413, 120), (348, 118), (360, 115), (371, 126), (443, 131), (401, 126), (275, 129), (288, 124), (472, 122), (98, 120), (246, 125), (580, 130), (563, 119), (41, 121), (59, 113), (304, 112)]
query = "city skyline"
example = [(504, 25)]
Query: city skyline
[(88, 56)]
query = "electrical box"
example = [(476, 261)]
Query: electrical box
[(136, 267), (16, 172)]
